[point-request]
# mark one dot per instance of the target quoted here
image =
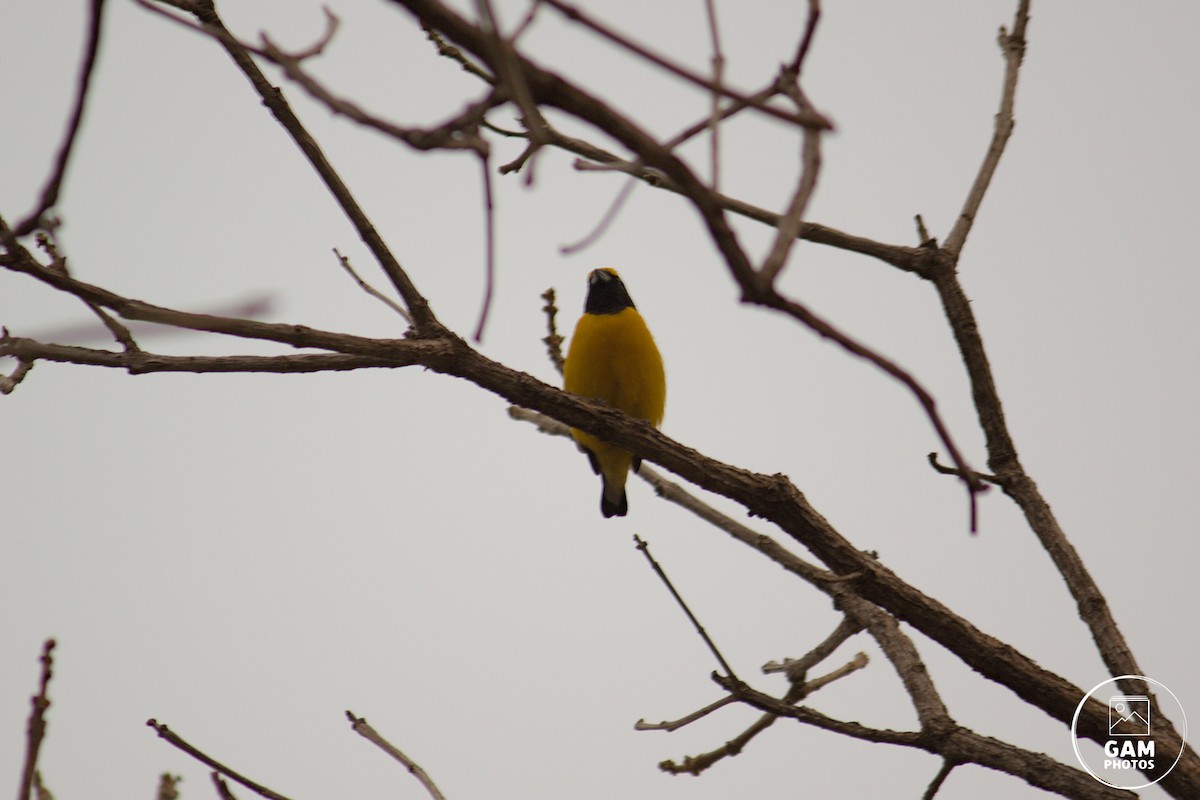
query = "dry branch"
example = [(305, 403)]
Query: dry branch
[(35, 729)]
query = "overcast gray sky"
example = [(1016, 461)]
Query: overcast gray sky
[(245, 557)]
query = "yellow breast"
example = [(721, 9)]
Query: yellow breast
[(612, 357)]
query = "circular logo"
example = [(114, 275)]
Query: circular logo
[(1120, 737)]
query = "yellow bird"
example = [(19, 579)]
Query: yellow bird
[(613, 358)]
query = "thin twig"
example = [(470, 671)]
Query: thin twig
[(797, 668), (605, 221), (943, 773), (222, 787), (790, 223), (371, 290), (1013, 46), (810, 28), (51, 190), (676, 724), (58, 262), (35, 729), (552, 340), (489, 236), (923, 237), (359, 725), (451, 52), (735, 106), (176, 741), (943, 469), (718, 66), (645, 548)]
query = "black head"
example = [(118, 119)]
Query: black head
[(606, 293)]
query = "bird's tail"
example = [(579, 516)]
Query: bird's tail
[(612, 500)]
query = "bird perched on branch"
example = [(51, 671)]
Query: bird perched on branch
[(613, 358)]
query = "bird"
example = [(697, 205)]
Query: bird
[(612, 357)]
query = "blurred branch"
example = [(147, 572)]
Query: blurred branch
[(223, 790), (810, 28), (35, 728), (454, 54), (489, 246), (168, 787), (573, 13), (359, 725), (788, 228), (605, 222), (53, 185), (511, 81), (40, 790), (718, 79)]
